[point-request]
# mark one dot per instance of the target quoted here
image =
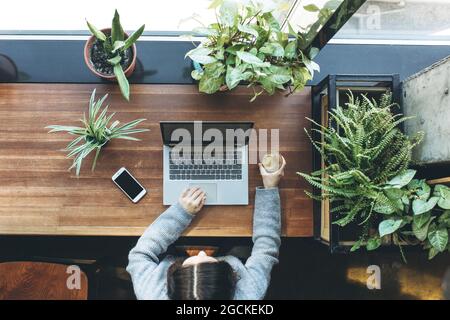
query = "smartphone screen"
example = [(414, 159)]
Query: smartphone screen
[(128, 184)]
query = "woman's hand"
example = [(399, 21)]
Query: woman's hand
[(192, 200), (271, 179)]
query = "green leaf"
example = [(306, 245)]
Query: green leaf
[(214, 70), (279, 75), (267, 84), (252, 59), (97, 33), (234, 48), (272, 48), (123, 81), (290, 51), (420, 220), (332, 4), (311, 8), (115, 60), (421, 206), (301, 76), (311, 66), (432, 253), (210, 84), (272, 21), (201, 55), (356, 246), (196, 75), (234, 76), (292, 32), (443, 192), (117, 46), (424, 190), (117, 33), (421, 231), (205, 31), (373, 243), (228, 13), (213, 77), (445, 218), (215, 3), (395, 195), (313, 52), (133, 38), (439, 238), (248, 29), (402, 179), (389, 226), (383, 206)]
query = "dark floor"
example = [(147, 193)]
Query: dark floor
[(306, 269)]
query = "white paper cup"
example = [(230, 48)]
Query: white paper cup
[(272, 162)]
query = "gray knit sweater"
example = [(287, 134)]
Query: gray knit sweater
[(149, 274)]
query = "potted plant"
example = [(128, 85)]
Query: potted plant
[(111, 54), (415, 213), (367, 180), (95, 133), (246, 44)]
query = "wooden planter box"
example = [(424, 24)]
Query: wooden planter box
[(327, 95)]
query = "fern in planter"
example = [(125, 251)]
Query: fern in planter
[(363, 150), (95, 133), (246, 44)]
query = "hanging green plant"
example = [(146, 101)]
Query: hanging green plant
[(246, 44)]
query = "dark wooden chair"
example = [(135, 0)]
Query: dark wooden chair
[(27, 280)]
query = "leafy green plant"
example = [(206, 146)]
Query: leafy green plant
[(366, 161), (95, 133), (416, 213), (115, 45), (246, 44)]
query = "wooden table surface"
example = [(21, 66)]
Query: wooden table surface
[(39, 196)]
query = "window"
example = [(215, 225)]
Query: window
[(160, 17), (424, 20)]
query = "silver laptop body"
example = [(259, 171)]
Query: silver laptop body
[(225, 182)]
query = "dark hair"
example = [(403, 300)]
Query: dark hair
[(203, 281)]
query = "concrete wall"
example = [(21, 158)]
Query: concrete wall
[(426, 96)]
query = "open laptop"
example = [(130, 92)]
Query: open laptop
[(192, 158)]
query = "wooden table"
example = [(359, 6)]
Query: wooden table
[(38, 196), (25, 280)]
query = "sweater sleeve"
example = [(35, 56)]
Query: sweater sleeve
[(144, 257), (266, 239)]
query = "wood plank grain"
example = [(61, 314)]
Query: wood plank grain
[(39, 196), (24, 280)]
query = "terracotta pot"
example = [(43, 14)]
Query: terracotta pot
[(87, 58)]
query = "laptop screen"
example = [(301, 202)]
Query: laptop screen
[(205, 132)]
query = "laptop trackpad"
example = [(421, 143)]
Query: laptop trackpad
[(209, 188)]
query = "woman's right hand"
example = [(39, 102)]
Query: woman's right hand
[(271, 179), (192, 200)]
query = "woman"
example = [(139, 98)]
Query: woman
[(202, 277)]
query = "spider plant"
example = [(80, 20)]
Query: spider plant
[(95, 132)]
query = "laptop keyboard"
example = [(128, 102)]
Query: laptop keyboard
[(226, 167)]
